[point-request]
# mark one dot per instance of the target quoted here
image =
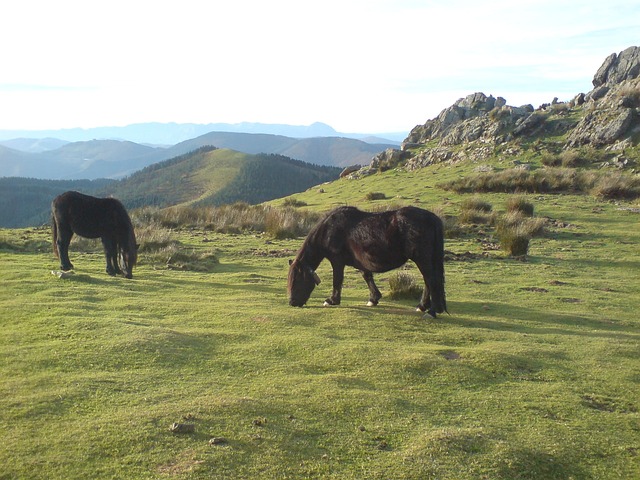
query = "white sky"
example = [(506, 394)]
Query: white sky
[(367, 66)]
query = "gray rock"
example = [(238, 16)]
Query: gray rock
[(617, 68)]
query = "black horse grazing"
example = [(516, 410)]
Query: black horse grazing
[(372, 242), (92, 217)]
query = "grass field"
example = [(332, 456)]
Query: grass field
[(535, 374)]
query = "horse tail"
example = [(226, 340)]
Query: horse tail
[(54, 235), (438, 295)]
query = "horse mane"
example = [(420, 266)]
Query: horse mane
[(309, 251)]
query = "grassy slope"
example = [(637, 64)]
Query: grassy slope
[(183, 180), (533, 375)]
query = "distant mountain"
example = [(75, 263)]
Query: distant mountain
[(79, 160), (117, 159), (34, 145), (335, 151), (206, 176), (166, 134)]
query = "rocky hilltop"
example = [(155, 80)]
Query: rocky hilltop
[(606, 117)]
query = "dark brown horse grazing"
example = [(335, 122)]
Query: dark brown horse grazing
[(372, 242), (91, 217)]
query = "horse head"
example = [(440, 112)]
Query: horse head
[(301, 282)]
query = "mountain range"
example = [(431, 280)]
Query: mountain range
[(92, 159), (165, 134)]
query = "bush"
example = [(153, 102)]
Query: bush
[(375, 196), (514, 240), (475, 210), (630, 95), (403, 285), (236, 218), (153, 237), (520, 204), (476, 203), (616, 185), (293, 202), (192, 260), (545, 180), (515, 229), (516, 219), (549, 159), (281, 223)]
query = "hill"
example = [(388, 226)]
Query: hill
[(334, 151), (206, 176), (210, 176), (26, 201)]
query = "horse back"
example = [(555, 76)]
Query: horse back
[(87, 216)]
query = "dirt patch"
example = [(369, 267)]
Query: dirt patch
[(450, 355), (607, 404), (463, 257)]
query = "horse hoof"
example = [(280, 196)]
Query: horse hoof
[(326, 304), (371, 304), (431, 313)]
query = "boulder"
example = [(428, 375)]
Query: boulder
[(618, 67)]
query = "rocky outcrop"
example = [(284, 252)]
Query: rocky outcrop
[(613, 106), (464, 121), (619, 67), (477, 126)]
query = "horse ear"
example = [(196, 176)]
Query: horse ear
[(290, 262), (316, 278)]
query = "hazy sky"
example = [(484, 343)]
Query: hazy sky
[(359, 65)]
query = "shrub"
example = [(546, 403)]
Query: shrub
[(283, 223), (516, 228), (546, 180), (235, 218), (549, 159), (192, 260), (570, 158), (616, 185), (403, 285), (293, 202), (514, 240), (475, 210), (476, 203), (516, 219), (630, 94), (375, 196), (520, 204), (152, 237)]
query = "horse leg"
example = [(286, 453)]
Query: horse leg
[(338, 278), (63, 240), (374, 293), (425, 300), (111, 256)]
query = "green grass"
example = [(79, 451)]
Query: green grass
[(533, 375)]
